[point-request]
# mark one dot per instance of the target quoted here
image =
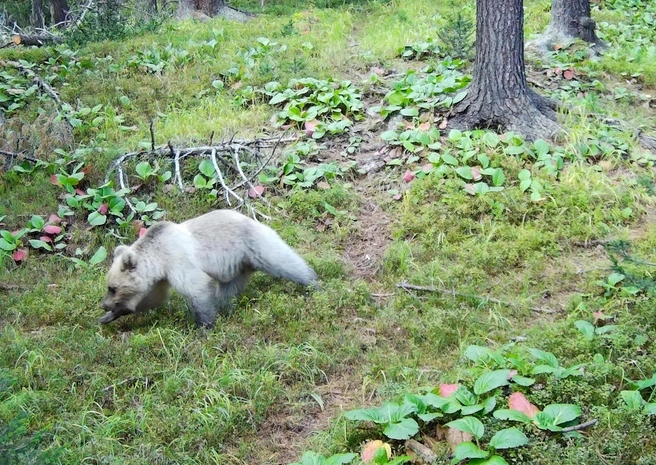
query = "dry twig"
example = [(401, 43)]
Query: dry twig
[(585, 425), (408, 286)]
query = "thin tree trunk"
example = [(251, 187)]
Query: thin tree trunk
[(570, 19), (204, 9), (36, 16), (499, 97)]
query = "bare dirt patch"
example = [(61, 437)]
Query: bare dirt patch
[(284, 436)]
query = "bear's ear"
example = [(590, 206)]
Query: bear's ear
[(129, 260), (119, 250)]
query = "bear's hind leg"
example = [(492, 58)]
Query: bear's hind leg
[(226, 291)]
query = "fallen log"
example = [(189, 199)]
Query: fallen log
[(38, 40)]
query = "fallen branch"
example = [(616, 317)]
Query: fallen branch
[(28, 73), (226, 157), (38, 40), (408, 286), (585, 425), (425, 454), (591, 243), (12, 156)]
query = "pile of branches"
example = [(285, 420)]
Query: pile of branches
[(237, 164)]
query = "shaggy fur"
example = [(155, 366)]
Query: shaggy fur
[(208, 260)]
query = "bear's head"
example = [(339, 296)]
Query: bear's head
[(126, 285)]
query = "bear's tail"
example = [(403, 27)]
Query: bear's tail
[(269, 253)]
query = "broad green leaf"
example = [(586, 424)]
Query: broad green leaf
[(449, 159), (514, 415), (435, 401), (471, 409), (493, 460), (389, 136), (498, 178), (633, 399), (515, 150), (645, 383), (540, 369), (340, 459), (562, 413), (545, 421), (489, 404), (96, 219), (465, 172), (411, 111), (508, 438), (404, 429), (455, 135), (586, 328), (207, 168), (99, 256), (650, 408), (468, 450), (491, 380), (38, 244), (470, 425), (5, 245), (540, 147), (490, 139), (523, 380), (546, 357), (477, 354), (524, 175), (465, 396), (278, 98)]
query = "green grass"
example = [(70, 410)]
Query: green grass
[(272, 379)]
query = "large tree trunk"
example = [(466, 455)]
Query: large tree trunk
[(59, 10), (570, 19), (498, 96)]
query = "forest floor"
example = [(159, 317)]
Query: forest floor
[(444, 256)]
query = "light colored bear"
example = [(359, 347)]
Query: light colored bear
[(208, 259)]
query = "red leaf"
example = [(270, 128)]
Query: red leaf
[(512, 373), (424, 126), (476, 172), (443, 123), (518, 401), (142, 232), (52, 229), (54, 219), (447, 390), (369, 450), (19, 255), (470, 189), (378, 71), (427, 168), (103, 209), (569, 74), (53, 180), (256, 191), (80, 192), (310, 127), (408, 176), (45, 239)]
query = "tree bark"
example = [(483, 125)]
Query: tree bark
[(205, 9), (499, 97), (36, 16), (570, 19), (59, 10)]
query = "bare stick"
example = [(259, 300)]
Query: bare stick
[(121, 181), (585, 425), (177, 169), (152, 135), (211, 137), (223, 184), (408, 286), (13, 156), (426, 455), (248, 181)]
